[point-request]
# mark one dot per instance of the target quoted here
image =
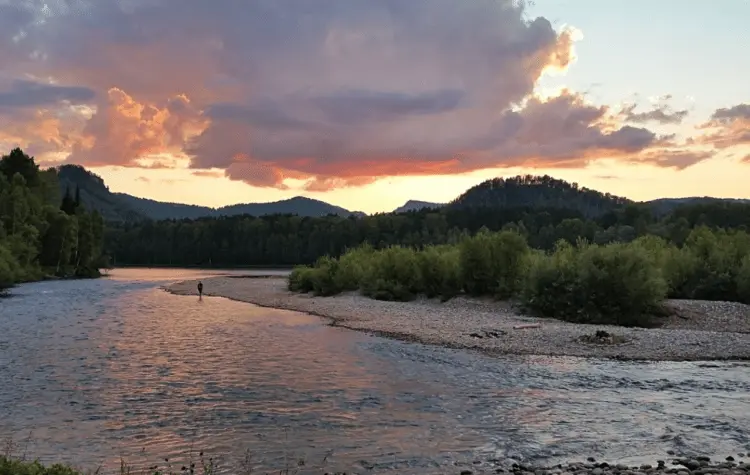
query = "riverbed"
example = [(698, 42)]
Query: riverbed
[(94, 370)]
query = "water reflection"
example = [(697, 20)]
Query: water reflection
[(99, 369)]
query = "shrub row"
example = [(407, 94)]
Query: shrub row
[(615, 283)]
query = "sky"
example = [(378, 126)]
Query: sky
[(369, 103)]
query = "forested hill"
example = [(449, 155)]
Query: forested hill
[(299, 205), (538, 192), (95, 194), (125, 208)]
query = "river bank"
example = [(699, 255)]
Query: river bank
[(696, 330), (697, 465)]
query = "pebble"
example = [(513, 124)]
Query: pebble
[(696, 465)]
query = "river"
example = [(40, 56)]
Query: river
[(98, 369)]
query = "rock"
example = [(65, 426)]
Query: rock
[(670, 452), (645, 466), (466, 472), (597, 471), (730, 459), (591, 459)]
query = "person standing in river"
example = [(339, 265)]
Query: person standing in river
[(200, 290)]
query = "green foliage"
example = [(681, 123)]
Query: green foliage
[(621, 283), (8, 268), (17, 467), (394, 274), (491, 263), (710, 265), (743, 280), (37, 237), (353, 267), (616, 284), (440, 267)]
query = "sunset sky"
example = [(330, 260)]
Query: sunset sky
[(368, 103)]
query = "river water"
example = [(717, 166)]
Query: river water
[(94, 370)]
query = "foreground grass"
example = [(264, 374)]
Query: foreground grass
[(189, 464), (10, 466), (618, 283)]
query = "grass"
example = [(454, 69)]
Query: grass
[(14, 461)]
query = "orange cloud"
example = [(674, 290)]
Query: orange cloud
[(208, 173), (728, 127), (669, 158), (123, 131)]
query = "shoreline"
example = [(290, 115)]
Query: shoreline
[(491, 327), (669, 464), (7, 292)]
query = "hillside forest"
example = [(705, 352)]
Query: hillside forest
[(541, 209), (44, 233)]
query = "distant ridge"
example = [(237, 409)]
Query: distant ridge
[(521, 191), (416, 205), (122, 207)]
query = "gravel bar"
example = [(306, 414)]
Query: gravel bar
[(696, 465), (697, 330)]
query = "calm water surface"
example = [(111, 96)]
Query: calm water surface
[(94, 370)]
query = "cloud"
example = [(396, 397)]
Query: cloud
[(334, 92), (208, 173), (728, 127), (124, 131), (677, 159), (661, 113), (31, 94)]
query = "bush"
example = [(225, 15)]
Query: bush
[(612, 284), (319, 279), (353, 267), (394, 274), (712, 259), (441, 271), (301, 279), (493, 263), (8, 266), (743, 281), (615, 283), (16, 467)]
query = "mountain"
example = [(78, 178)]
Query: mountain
[(158, 210), (538, 191), (666, 205), (415, 205), (95, 195), (122, 207), (519, 191), (298, 205)]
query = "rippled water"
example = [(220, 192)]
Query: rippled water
[(92, 370)]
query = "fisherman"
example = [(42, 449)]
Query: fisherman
[(200, 289)]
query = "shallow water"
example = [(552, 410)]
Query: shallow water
[(94, 370)]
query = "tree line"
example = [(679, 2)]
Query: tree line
[(288, 240), (42, 234)]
